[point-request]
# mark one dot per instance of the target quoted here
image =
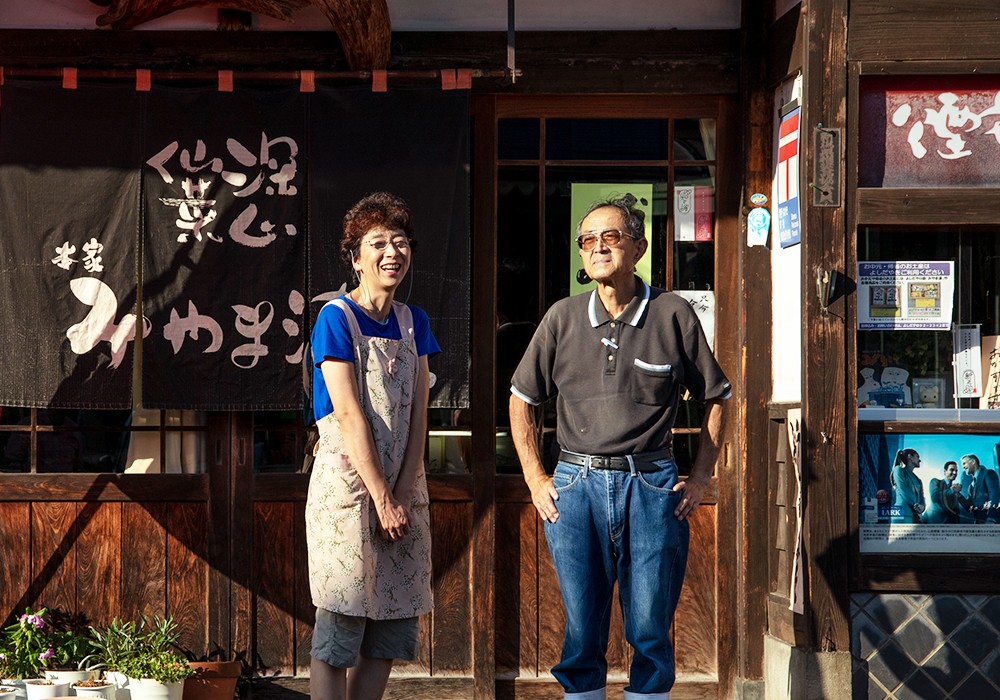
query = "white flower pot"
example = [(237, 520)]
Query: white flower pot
[(8, 692), (121, 684), (108, 691), (17, 684), (148, 689), (38, 688), (70, 677)]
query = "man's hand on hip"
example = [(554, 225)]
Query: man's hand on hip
[(691, 492), (544, 496)]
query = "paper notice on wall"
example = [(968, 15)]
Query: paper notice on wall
[(991, 371), (968, 361), (693, 211), (796, 594), (703, 303), (905, 294)]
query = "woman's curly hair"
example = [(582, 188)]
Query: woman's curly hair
[(378, 209)]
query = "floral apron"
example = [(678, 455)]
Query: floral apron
[(353, 569)]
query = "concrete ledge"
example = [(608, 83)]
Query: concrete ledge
[(791, 673)]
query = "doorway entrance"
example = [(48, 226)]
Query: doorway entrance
[(540, 163)]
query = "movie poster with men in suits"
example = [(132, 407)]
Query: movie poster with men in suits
[(929, 493)]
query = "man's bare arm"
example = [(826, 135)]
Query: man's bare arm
[(525, 428), (709, 446)]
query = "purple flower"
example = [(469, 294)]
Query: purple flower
[(35, 621), (47, 654)]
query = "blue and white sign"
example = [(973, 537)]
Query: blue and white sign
[(787, 176), (758, 224)]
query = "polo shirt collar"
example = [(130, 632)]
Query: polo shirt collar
[(633, 312)]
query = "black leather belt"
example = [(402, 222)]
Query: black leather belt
[(644, 461)]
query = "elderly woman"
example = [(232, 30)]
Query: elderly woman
[(907, 489), (367, 520), (944, 497)]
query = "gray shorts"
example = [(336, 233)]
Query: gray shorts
[(339, 639)]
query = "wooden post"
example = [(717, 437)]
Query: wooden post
[(824, 329), (756, 100)]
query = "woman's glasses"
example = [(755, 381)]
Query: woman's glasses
[(611, 237), (400, 243)]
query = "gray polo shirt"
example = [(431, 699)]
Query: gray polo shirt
[(617, 381)]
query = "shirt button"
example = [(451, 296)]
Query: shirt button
[(612, 340), (611, 358), (612, 324)]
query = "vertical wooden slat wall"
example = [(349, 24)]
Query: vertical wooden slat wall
[(144, 556), (99, 557), (100, 560)]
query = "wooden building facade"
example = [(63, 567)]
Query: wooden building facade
[(223, 550)]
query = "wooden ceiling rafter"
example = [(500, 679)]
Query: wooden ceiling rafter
[(363, 26)]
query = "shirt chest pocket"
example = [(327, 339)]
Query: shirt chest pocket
[(652, 384)]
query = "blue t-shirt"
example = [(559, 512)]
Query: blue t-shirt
[(331, 339)]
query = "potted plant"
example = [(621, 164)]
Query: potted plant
[(8, 692), (156, 675), (25, 649), (213, 678), (123, 646), (96, 688), (40, 688), (112, 643), (71, 658)]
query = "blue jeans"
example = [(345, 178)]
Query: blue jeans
[(617, 525)]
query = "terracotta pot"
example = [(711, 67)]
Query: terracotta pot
[(213, 680)]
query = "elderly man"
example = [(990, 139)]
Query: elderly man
[(615, 510), (983, 498)]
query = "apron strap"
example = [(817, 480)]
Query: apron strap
[(405, 319), (352, 321)]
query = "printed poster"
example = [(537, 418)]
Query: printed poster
[(788, 220), (582, 196), (694, 208), (929, 493), (905, 295)]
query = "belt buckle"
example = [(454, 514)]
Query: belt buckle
[(604, 461)]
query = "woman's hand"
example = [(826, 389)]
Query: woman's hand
[(393, 518)]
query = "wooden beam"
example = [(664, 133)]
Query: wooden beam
[(824, 440), (928, 207), (104, 487), (916, 573), (662, 62), (923, 30)]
